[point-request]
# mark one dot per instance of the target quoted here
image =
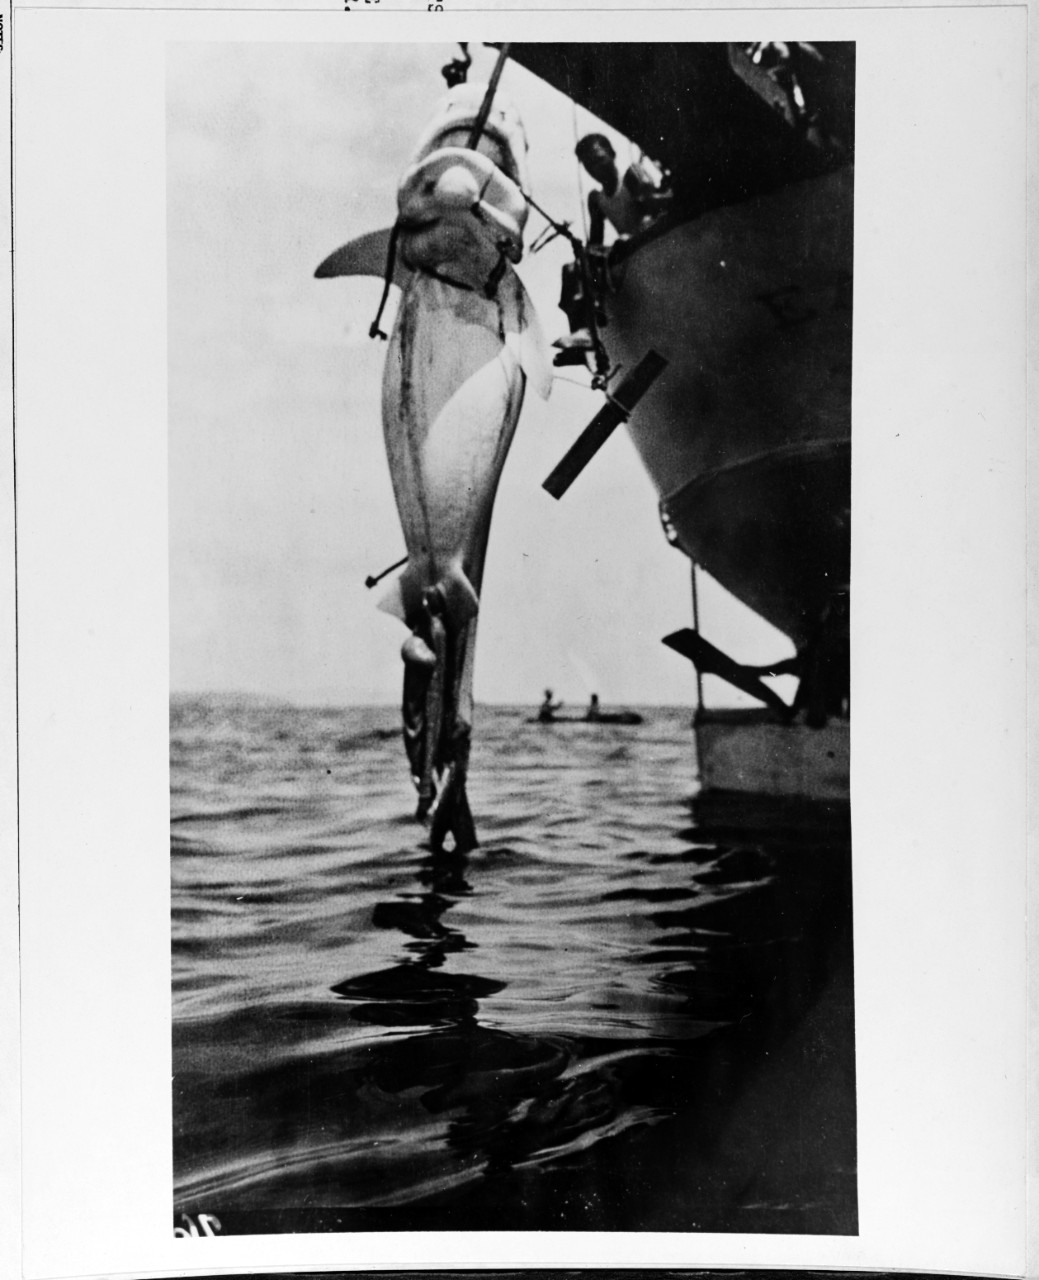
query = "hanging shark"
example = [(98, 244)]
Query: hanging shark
[(465, 342)]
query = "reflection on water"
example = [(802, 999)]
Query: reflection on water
[(624, 1011)]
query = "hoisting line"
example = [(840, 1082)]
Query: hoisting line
[(696, 627), (488, 98), (474, 137), (391, 262), (580, 184), (490, 287)]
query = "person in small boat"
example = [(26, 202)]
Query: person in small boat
[(594, 711), (548, 709)]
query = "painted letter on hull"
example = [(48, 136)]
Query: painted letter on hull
[(465, 341)]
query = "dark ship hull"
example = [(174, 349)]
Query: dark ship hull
[(747, 438), (746, 290)]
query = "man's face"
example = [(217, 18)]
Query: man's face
[(601, 163)]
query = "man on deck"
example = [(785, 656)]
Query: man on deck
[(630, 203)]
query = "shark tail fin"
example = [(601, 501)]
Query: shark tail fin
[(402, 597)]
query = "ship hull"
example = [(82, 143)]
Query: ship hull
[(747, 437), (745, 290), (750, 752)]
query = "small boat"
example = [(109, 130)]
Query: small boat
[(603, 717)]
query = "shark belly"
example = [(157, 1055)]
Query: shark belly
[(452, 394)]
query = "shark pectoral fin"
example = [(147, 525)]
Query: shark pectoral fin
[(526, 339), (391, 600), (365, 256), (403, 597), (461, 603)]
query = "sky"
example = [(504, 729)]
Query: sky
[(280, 497)]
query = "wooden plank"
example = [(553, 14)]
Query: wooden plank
[(616, 410)]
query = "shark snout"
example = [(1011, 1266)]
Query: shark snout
[(456, 188), (452, 191)]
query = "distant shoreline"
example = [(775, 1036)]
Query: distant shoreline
[(236, 698)]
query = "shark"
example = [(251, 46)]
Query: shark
[(465, 343)]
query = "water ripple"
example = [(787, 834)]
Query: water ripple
[(500, 1040)]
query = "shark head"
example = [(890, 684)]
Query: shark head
[(503, 138), (460, 209)]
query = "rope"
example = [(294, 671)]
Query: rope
[(696, 625), (373, 578), (488, 98), (560, 228), (558, 377), (391, 262), (581, 198), (474, 137)]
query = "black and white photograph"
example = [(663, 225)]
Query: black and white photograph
[(529, 926), (466, 465)]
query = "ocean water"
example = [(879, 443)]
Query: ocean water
[(629, 1009)]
